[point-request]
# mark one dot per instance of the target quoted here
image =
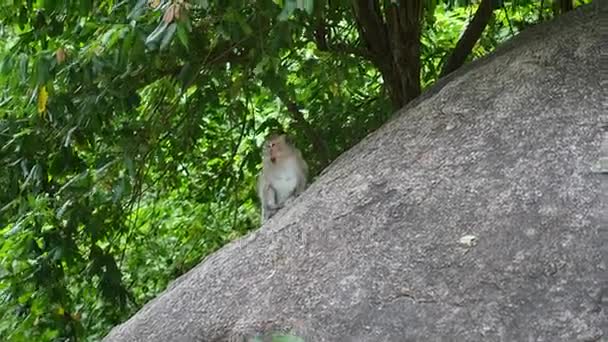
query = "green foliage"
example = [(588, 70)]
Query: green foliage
[(130, 135)]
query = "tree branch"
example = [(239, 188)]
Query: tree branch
[(469, 38), (371, 27), (564, 6), (403, 21)]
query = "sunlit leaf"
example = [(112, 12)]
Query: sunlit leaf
[(43, 98)]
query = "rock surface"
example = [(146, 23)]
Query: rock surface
[(479, 213)]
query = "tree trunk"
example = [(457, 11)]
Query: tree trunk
[(565, 6), (392, 37)]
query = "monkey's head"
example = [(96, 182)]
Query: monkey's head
[(277, 146)]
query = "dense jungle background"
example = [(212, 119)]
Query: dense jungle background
[(131, 131)]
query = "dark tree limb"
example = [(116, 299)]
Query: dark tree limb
[(321, 35), (404, 23), (392, 38), (564, 6), (371, 26), (469, 38)]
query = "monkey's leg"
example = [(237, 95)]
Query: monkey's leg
[(270, 212)]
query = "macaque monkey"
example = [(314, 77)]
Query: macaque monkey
[(284, 174)]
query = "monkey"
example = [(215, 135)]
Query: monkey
[(284, 174)]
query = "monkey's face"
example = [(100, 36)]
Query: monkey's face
[(276, 148)]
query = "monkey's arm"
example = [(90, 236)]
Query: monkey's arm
[(268, 198), (262, 194), (269, 206)]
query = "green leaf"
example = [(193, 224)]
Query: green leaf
[(24, 298), (50, 5), (16, 228), (243, 24), (6, 64), (85, 7), (23, 64), (138, 10), (50, 335), (182, 34)]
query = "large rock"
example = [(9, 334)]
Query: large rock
[(478, 214)]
